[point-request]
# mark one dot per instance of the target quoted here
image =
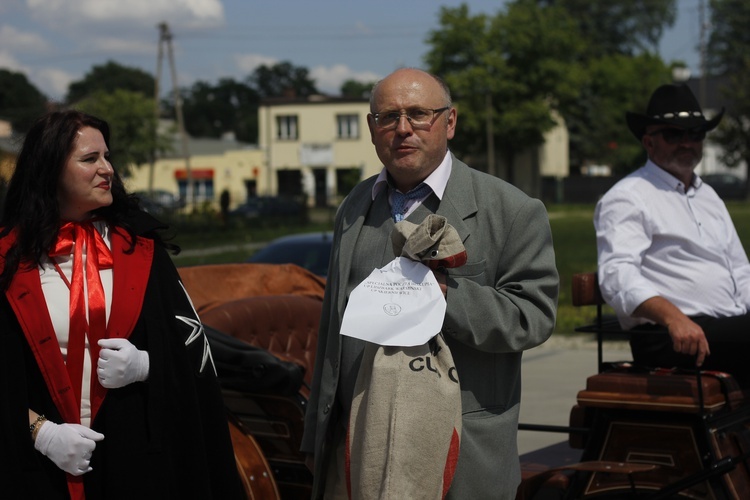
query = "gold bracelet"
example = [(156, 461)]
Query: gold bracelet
[(34, 428)]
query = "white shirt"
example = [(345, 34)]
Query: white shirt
[(437, 181), (655, 239)]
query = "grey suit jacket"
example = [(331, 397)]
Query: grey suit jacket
[(501, 302)]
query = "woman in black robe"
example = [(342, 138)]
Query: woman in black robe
[(106, 377)]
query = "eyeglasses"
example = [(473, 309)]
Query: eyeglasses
[(419, 118), (679, 135)]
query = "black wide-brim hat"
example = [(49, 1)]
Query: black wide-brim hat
[(672, 105)]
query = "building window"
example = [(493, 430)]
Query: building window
[(203, 184), (203, 189), (286, 126), (348, 126)]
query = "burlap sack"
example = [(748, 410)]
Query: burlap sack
[(405, 423), (434, 242)]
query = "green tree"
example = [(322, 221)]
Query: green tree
[(621, 70), (353, 88), (110, 77), (729, 49), (613, 27), (21, 102), (614, 85), (213, 110), (132, 125), (282, 79), (508, 73)]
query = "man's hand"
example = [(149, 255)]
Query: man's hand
[(121, 363), (687, 337), (69, 446)]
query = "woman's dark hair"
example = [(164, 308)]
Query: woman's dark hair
[(31, 205)]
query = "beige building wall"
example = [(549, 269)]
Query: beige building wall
[(550, 159), (316, 150), (7, 164), (5, 128), (233, 170), (7, 159), (554, 154)]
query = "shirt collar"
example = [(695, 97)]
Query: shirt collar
[(437, 180), (670, 180)]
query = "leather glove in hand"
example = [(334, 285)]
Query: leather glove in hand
[(69, 446), (120, 363)]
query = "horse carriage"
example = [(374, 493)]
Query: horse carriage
[(635, 432), (645, 432)]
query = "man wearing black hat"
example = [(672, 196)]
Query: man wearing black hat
[(670, 259)]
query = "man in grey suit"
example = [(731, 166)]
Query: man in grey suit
[(501, 302)]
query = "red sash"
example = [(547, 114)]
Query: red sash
[(72, 237)]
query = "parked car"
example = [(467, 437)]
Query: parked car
[(311, 251), (727, 186), (160, 202), (262, 206)]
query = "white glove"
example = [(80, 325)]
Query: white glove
[(69, 446), (120, 363)]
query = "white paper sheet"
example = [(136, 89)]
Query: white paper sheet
[(400, 304)]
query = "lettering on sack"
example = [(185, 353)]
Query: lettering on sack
[(419, 363)]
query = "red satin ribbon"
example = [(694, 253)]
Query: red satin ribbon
[(98, 256)]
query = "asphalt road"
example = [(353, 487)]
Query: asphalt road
[(552, 374)]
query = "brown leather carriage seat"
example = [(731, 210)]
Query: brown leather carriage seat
[(211, 285), (661, 390), (285, 325), (275, 307)]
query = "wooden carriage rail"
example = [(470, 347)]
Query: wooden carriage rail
[(252, 466), (563, 429), (716, 469), (530, 486)]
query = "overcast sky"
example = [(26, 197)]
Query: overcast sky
[(55, 42)]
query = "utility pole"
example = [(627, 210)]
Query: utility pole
[(152, 163), (704, 57), (490, 136), (165, 38)]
